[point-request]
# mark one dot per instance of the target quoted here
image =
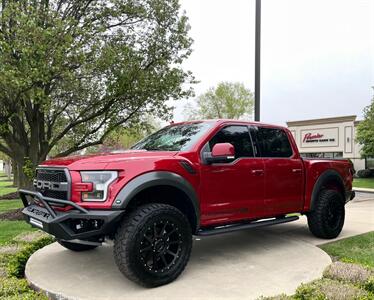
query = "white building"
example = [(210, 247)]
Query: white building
[(329, 138)]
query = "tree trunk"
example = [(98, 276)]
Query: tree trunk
[(8, 169), (23, 180), (20, 179), (15, 172)]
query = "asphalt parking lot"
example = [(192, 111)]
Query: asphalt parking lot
[(241, 265)]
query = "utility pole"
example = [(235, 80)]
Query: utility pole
[(258, 60)]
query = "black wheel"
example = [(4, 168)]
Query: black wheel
[(153, 245), (327, 218), (75, 246)]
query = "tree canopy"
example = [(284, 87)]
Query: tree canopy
[(365, 131), (73, 71), (226, 101), (123, 138)]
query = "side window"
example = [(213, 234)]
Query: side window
[(238, 136), (273, 142)]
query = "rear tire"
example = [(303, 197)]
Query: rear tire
[(75, 246), (327, 218), (153, 244)]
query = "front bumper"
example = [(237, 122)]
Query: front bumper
[(78, 223)]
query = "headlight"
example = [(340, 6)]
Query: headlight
[(100, 182)]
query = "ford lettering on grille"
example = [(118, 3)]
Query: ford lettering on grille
[(52, 183)]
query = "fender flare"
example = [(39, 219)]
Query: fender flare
[(152, 179), (322, 179)]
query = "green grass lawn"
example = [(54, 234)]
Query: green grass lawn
[(10, 286), (10, 229), (358, 249), (4, 185), (364, 183), (6, 205)]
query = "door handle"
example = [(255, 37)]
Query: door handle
[(258, 172), (296, 170)]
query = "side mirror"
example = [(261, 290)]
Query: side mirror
[(221, 152)]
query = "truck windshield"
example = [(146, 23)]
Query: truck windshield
[(174, 137)]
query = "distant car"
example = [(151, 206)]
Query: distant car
[(193, 178)]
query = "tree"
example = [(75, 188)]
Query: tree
[(226, 101), (123, 138), (365, 131), (71, 72)]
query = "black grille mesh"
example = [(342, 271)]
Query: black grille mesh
[(56, 176), (55, 194), (51, 175)]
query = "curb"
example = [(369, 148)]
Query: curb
[(50, 294), (364, 190)]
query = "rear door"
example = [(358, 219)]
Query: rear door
[(284, 176)]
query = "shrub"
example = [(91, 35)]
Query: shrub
[(324, 289), (309, 291), (364, 173), (347, 272), (369, 285), (17, 263), (13, 288)]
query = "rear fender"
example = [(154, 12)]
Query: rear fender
[(329, 178)]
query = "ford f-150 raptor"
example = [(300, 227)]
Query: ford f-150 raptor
[(192, 178)]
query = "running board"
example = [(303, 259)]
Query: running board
[(241, 226)]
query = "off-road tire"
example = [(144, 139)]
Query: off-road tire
[(75, 246), (326, 220), (134, 238)]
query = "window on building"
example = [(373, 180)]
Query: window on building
[(312, 155), (323, 155), (238, 136), (273, 142), (328, 155)]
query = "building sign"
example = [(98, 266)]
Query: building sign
[(324, 137)]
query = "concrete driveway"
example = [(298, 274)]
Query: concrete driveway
[(241, 265)]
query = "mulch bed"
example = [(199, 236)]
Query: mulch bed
[(9, 196), (12, 215)]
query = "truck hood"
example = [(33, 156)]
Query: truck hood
[(101, 160)]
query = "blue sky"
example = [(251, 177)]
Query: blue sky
[(317, 55)]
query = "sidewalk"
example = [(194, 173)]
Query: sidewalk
[(241, 265)]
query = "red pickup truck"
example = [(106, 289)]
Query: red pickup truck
[(193, 178)]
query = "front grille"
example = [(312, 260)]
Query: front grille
[(51, 175), (55, 194), (52, 183)]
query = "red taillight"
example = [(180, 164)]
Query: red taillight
[(83, 187)]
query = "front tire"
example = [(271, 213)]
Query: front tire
[(327, 218), (153, 245), (75, 246)]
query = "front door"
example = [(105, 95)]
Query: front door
[(233, 190)]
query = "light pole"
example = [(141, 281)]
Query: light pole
[(258, 60)]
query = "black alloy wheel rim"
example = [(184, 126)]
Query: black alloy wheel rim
[(160, 246), (334, 214)]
